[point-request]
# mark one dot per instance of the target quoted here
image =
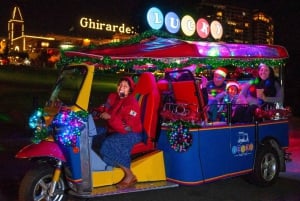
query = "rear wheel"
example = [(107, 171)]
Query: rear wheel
[(266, 169), (36, 184)]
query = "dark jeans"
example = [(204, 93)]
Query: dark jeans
[(244, 114), (213, 110)]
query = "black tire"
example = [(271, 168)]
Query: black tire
[(266, 169), (36, 183)]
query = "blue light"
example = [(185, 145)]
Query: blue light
[(155, 18), (172, 22)]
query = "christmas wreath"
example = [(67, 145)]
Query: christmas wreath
[(68, 126), (179, 136)]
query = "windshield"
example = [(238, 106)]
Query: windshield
[(68, 85)]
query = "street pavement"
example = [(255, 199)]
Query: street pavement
[(293, 167)]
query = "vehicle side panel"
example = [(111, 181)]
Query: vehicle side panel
[(275, 129), (215, 152), (242, 146), (182, 167)]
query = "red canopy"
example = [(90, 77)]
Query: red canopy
[(157, 47)]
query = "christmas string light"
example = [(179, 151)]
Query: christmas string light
[(37, 123)]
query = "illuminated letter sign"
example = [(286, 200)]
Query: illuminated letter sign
[(202, 28), (172, 22), (216, 29), (188, 25), (155, 18), (83, 22)]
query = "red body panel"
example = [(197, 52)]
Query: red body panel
[(43, 149)]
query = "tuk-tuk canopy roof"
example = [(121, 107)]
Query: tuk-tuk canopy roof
[(157, 47)]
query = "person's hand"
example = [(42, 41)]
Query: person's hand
[(95, 113), (105, 116), (220, 96), (241, 100), (260, 94), (203, 81)]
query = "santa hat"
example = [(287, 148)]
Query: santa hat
[(221, 71), (232, 83)]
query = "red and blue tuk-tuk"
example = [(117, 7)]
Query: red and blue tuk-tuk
[(180, 148)]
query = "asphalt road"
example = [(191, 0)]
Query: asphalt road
[(234, 189)]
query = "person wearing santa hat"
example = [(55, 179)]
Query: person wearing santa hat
[(231, 95), (214, 87), (232, 91)]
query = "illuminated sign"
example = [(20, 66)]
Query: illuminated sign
[(188, 25), (216, 29), (89, 23), (155, 17), (172, 22), (202, 28)]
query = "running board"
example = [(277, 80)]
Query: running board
[(112, 190)]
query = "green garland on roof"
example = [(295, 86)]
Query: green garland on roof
[(161, 64), (116, 65)]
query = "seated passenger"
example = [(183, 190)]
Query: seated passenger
[(231, 95), (215, 87), (124, 128), (264, 92)]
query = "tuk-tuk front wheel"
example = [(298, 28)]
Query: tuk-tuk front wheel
[(36, 184), (266, 169)]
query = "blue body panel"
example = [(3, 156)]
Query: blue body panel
[(219, 152), (182, 166), (277, 129), (242, 146), (223, 153), (73, 162)]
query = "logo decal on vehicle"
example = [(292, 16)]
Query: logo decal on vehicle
[(243, 146)]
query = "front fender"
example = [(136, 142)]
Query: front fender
[(43, 149)]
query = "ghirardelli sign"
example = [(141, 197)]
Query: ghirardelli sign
[(97, 25)]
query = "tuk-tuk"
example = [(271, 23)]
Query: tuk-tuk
[(181, 147)]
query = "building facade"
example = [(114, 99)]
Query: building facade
[(240, 25)]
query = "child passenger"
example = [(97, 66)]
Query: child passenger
[(231, 95), (232, 92)]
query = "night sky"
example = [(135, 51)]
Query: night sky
[(62, 16)]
